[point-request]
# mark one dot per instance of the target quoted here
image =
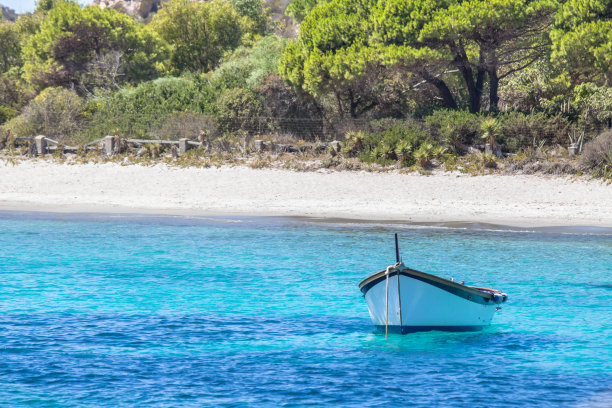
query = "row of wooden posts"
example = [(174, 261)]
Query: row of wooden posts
[(111, 145)]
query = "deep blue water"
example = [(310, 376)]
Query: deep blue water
[(170, 311)]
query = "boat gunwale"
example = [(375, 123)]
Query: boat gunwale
[(485, 293)]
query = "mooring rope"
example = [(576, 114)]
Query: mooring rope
[(387, 304), (399, 298)]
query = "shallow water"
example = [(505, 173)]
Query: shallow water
[(171, 311)]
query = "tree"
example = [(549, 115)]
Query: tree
[(253, 10), (582, 40), (482, 41), (70, 38), (332, 56), (199, 32), (489, 38), (299, 9), (10, 48)]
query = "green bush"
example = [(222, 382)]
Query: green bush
[(595, 104), (597, 155), (247, 66), (454, 129), (7, 113), (519, 131), (140, 110), (239, 109), (56, 113), (405, 143)]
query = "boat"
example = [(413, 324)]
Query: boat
[(404, 300)]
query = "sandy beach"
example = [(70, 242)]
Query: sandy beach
[(522, 200)]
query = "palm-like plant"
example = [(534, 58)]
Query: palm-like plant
[(425, 153), (490, 130), (403, 151), (353, 143)]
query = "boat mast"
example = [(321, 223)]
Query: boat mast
[(397, 257)]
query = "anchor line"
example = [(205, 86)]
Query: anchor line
[(387, 304), (399, 298)]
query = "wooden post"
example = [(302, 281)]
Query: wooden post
[(336, 146), (183, 145), (109, 144), (41, 145)]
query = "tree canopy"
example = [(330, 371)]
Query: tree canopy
[(10, 47), (73, 41), (199, 33), (482, 41), (582, 40)]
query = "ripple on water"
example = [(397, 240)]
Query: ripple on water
[(182, 312)]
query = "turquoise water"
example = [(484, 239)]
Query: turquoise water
[(170, 311)]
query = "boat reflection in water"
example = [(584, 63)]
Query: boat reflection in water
[(405, 300)]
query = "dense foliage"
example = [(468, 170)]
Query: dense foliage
[(402, 81), (81, 47)]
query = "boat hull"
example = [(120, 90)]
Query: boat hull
[(426, 303)]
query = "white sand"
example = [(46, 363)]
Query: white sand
[(510, 200)]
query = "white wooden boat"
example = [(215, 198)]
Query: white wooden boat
[(405, 300)]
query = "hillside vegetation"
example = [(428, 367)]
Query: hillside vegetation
[(399, 82)]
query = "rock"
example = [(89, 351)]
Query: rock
[(259, 145), (336, 145), (473, 150), (7, 13), (142, 8)]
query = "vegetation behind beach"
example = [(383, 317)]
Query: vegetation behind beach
[(402, 83)]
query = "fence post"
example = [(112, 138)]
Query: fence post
[(183, 145), (41, 145), (109, 144)]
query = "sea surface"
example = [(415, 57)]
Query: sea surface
[(128, 310)]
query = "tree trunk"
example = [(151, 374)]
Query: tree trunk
[(352, 104), (474, 87), (493, 90), (445, 93), (492, 63)]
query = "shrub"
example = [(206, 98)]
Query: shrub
[(193, 126), (138, 111), (12, 97), (518, 130), (6, 113), (353, 143), (55, 112), (454, 129), (239, 109), (595, 104), (291, 113), (428, 151), (488, 160), (597, 155), (399, 143), (490, 130), (247, 66)]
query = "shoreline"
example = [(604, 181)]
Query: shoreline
[(518, 201), (178, 217)]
